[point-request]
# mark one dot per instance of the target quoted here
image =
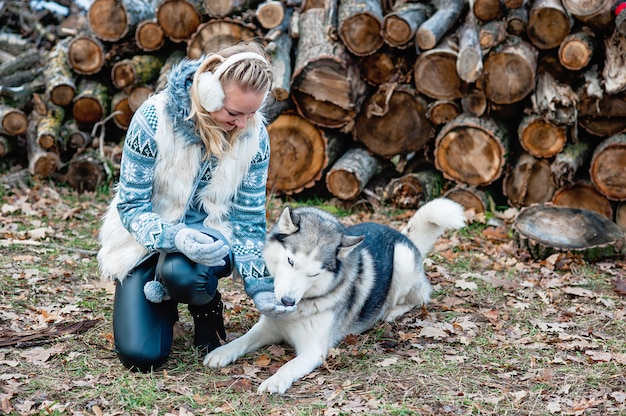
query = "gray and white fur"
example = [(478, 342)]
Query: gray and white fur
[(342, 280)]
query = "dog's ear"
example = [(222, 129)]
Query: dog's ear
[(348, 243), (288, 222)]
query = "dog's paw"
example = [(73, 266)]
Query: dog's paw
[(275, 385), (220, 357)]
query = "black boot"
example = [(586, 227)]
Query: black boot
[(209, 325)]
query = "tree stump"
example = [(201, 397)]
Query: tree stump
[(542, 230), (348, 176), (471, 150), (607, 167)]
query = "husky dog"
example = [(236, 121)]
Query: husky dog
[(342, 279)]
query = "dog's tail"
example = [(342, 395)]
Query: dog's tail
[(431, 220)]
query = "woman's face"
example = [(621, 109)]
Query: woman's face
[(239, 106)]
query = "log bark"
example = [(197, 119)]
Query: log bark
[(548, 24), (620, 17), (517, 21), (437, 26), (607, 167), (359, 25), (150, 36), (326, 85), (614, 63), (511, 69), (442, 111), (435, 72), (469, 61), (471, 150), (49, 126), (86, 55), (471, 198), (6, 145), (540, 137), (491, 34), (577, 50), (279, 51), (603, 115), (350, 174), (179, 19), (111, 20), (400, 25), (583, 195), (620, 216), (91, 101), (393, 121), (594, 13), (140, 69), (298, 154), (213, 35), (528, 182), (412, 189), (28, 59), (41, 163), (543, 230), (13, 121), (555, 101), (58, 76), (567, 163), (73, 137), (119, 105)]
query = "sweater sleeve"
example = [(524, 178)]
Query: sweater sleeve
[(136, 181), (249, 223)]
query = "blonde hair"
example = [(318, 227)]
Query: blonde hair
[(250, 75)]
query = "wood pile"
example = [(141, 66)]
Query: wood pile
[(490, 102)]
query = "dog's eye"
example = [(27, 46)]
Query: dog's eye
[(290, 261)]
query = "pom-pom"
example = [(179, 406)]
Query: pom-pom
[(154, 291)]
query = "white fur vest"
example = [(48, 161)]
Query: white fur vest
[(177, 167)]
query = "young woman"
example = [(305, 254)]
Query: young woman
[(189, 207)]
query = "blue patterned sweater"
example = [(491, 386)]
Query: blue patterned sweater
[(247, 210)]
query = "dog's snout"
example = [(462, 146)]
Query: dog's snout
[(287, 301)]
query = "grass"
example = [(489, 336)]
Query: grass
[(504, 335)]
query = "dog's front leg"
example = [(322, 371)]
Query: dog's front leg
[(262, 333), (308, 359)]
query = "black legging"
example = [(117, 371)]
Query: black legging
[(143, 331)]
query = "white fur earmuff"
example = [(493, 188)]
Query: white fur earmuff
[(209, 86)]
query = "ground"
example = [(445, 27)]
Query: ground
[(504, 334)]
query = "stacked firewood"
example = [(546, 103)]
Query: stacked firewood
[(489, 102)]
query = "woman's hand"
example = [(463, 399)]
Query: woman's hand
[(201, 248)]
